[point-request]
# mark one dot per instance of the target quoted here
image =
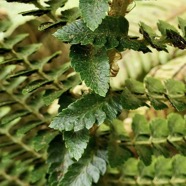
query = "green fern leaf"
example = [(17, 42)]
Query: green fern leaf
[(24, 118), (182, 25), (5, 71), (149, 35), (105, 33), (37, 174), (23, 130), (34, 85), (5, 25), (58, 161), (176, 125), (162, 171), (54, 4), (28, 50), (98, 11), (154, 86), (169, 35), (176, 93), (42, 139), (93, 66), (159, 128), (157, 137), (71, 14), (84, 113), (13, 116), (131, 101), (76, 143), (164, 26), (11, 41), (140, 127), (157, 92), (87, 170), (50, 96), (117, 155), (145, 153)]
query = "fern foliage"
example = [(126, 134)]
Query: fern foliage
[(162, 171), (116, 37), (24, 83), (86, 143), (161, 135), (78, 115)]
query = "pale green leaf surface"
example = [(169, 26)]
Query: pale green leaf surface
[(42, 139), (11, 41), (158, 136), (87, 170), (161, 170), (176, 124), (71, 14), (182, 25), (135, 86), (150, 37), (176, 92), (140, 126), (93, 12), (131, 167), (164, 26), (34, 85), (37, 174), (28, 127), (13, 116), (76, 143), (159, 128), (179, 165), (15, 82), (57, 158), (179, 104), (154, 86), (4, 25), (146, 171), (175, 88), (5, 71), (28, 50), (54, 4)]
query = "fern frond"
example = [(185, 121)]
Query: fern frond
[(24, 115), (143, 63), (156, 137), (162, 171), (77, 115), (86, 171)]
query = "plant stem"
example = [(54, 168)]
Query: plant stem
[(13, 179), (152, 141), (156, 181), (119, 7)]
